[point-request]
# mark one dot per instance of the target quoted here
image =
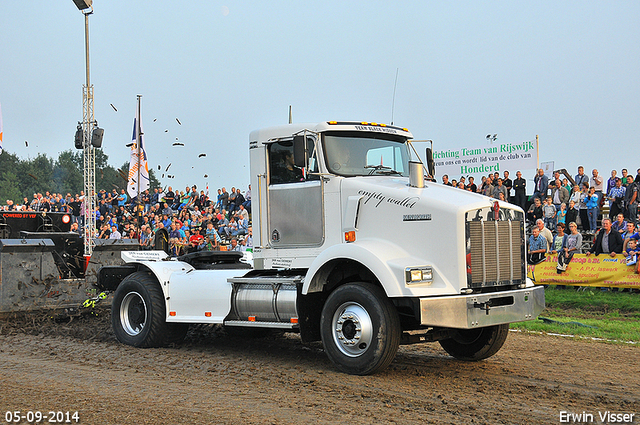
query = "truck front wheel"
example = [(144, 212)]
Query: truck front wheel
[(360, 328), (476, 344), (138, 313)]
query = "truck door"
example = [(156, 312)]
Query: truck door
[(294, 197)]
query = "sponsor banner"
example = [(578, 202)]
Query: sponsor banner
[(482, 160), (583, 270)]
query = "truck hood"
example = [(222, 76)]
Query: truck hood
[(394, 195)]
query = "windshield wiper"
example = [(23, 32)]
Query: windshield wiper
[(382, 168)]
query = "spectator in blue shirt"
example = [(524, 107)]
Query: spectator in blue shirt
[(537, 247), (592, 209)]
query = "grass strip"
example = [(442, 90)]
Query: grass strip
[(605, 315)]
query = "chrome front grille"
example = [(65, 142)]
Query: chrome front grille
[(497, 253)]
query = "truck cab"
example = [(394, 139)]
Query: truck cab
[(353, 247)]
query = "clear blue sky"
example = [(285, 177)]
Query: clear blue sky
[(567, 71)]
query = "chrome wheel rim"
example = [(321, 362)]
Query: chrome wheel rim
[(133, 313), (352, 329)]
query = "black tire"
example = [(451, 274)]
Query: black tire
[(138, 314), (360, 328), (476, 344)]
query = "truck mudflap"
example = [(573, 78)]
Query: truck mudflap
[(480, 310)]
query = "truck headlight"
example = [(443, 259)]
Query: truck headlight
[(418, 275)]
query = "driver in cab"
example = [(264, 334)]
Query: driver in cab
[(286, 171)]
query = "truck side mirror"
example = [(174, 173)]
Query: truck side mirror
[(299, 151), (431, 165)]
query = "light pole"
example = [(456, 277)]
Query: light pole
[(89, 203)]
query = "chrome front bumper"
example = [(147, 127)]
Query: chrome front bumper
[(480, 310)]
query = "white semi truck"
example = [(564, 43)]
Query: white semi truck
[(351, 247)]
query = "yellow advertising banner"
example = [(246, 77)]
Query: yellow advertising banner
[(583, 270)]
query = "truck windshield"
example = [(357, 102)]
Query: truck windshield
[(357, 154)]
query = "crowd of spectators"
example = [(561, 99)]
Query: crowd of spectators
[(563, 216), (557, 200), (559, 210), (192, 220)]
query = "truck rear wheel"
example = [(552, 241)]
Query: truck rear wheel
[(138, 314), (476, 344), (360, 328)]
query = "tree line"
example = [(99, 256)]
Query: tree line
[(20, 178)]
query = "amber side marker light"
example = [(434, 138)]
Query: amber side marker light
[(350, 236), (172, 313), (294, 320), (252, 318), (207, 314)]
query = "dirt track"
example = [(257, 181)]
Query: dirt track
[(219, 379)]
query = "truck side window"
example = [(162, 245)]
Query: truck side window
[(281, 164)]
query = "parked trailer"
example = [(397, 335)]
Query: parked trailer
[(351, 247)]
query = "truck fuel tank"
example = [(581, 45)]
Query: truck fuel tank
[(264, 300)]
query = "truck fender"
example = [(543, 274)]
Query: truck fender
[(371, 254), (162, 270)]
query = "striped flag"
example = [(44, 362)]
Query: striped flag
[(0, 128), (138, 161)]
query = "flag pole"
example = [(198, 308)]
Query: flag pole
[(0, 128), (138, 142)]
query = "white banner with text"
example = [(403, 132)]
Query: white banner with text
[(482, 160)]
